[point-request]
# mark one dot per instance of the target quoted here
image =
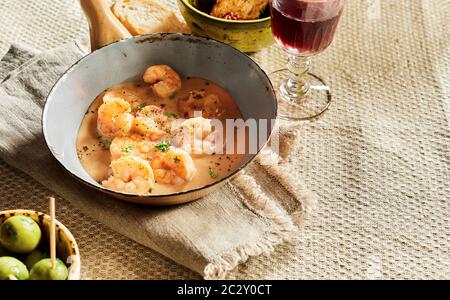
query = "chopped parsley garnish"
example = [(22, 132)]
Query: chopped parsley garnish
[(171, 115), (163, 146), (213, 173), (141, 106), (150, 190), (176, 159), (173, 96), (127, 149)]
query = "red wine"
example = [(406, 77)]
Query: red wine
[(305, 26)]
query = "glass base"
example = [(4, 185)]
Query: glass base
[(304, 104)]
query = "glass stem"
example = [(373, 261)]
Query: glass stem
[(298, 67)]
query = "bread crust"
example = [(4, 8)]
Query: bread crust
[(147, 16)]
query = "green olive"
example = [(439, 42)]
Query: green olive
[(34, 257), (10, 266), (20, 234), (42, 270)]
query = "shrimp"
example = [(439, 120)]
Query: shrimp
[(131, 175), (166, 82), (151, 122), (209, 105), (114, 117), (196, 136), (175, 166), (125, 94), (132, 146), (170, 165)]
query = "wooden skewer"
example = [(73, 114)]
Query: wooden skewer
[(12, 277), (51, 204)]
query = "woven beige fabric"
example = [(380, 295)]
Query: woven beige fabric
[(379, 159)]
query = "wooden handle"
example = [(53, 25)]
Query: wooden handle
[(104, 27)]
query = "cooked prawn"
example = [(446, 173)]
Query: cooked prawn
[(196, 136), (175, 166), (114, 117), (197, 101), (132, 146), (126, 94), (151, 122), (171, 166), (131, 175), (166, 82)]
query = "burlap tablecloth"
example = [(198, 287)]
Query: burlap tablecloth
[(379, 159)]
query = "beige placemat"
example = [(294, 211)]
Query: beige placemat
[(378, 159)]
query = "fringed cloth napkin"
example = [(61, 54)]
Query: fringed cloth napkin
[(261, 208)]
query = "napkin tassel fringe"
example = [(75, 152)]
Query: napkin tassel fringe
[(257, 201)]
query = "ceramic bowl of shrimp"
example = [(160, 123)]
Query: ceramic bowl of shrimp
[(124, 119)]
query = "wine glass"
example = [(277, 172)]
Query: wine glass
[(303, 28)]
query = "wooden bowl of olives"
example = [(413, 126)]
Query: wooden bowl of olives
[(24, 248)]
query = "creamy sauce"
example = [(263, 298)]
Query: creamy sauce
[(95, 156)]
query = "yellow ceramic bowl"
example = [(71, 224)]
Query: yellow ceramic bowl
[(245, 35), (66, 246)]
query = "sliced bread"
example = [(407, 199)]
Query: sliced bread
[(147, 16)]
